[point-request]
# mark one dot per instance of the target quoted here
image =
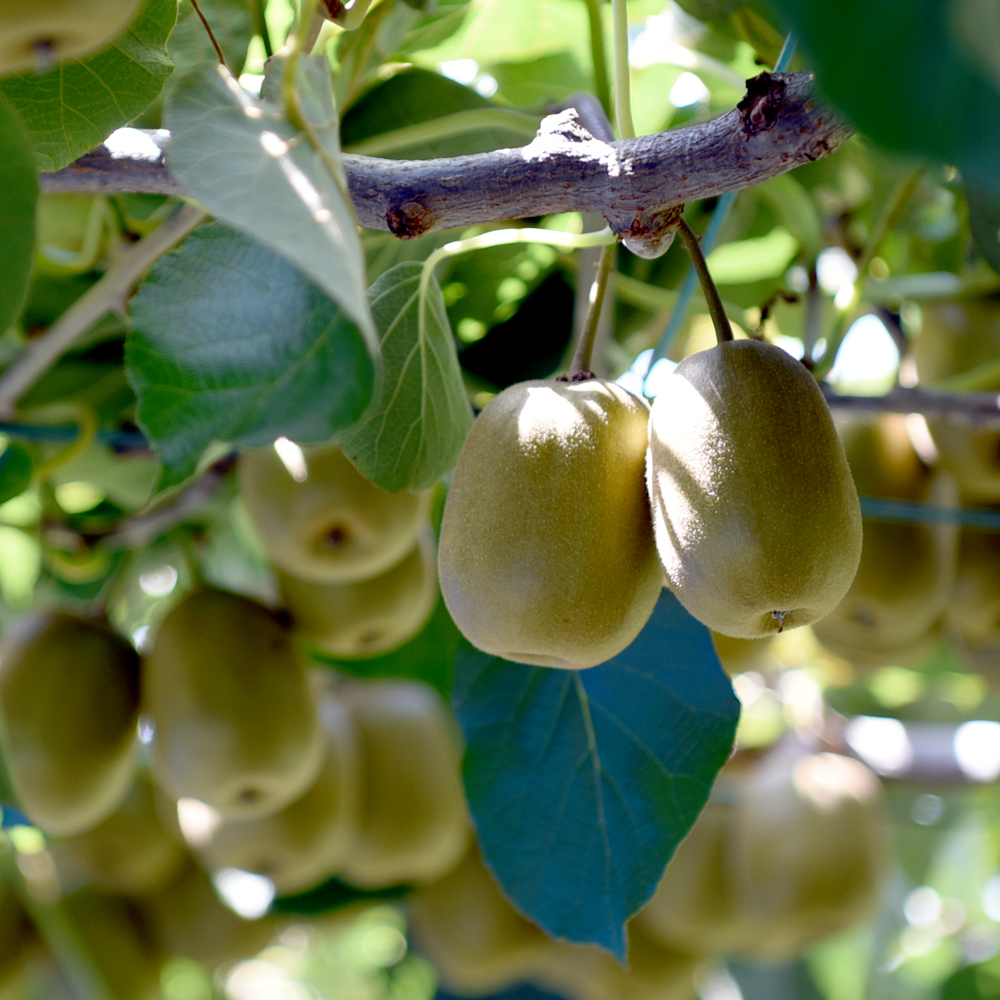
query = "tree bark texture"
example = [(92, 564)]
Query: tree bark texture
[(638, 185)]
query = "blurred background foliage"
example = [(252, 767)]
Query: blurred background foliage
[(850, 262)]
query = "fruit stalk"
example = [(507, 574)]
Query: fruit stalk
[(580, 367), (716, 309)]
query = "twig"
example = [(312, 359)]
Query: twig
[(591, 113), (139, 530), (715, 225), (976, 408), (107, 294), (632, 183)]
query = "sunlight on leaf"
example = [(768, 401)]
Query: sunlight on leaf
[(249, 166), (415, 429)]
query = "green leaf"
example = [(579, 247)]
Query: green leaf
[(754, 259), (507, 30), (18, 197), (15, 471), (583, 783), (333, 895), (428, 656), (920, 77), (421, 414), (418, 96), (536, 83), (984, 222), (710, 10), (232, 343), (77, 104), (232, 24), (435, 25), (249, 166)]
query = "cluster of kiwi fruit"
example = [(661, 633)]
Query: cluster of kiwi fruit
[(251, 758), (34, 34), (792, 848), (573, 502), (921, 583)]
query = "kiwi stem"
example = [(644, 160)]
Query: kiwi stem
[(723, 331), (597, 56), (588, 334)]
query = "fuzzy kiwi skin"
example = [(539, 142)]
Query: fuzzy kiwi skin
[(756, 515)]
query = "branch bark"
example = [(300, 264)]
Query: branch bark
[(636, 184), (975, 408)]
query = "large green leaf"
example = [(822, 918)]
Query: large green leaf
[(505, 30), (984, 221), (418, 95), (77, 104), (18, 196), (232, 343), (421, 414), (918, 77), (251, 168), (583, 783)]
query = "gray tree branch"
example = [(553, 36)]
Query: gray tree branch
[(636, 184), (978, 408)]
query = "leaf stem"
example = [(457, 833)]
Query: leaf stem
[(107, 294), (211, 34), (597, 56), (580, 368), (723, 331), (623, 101), (313, 29)]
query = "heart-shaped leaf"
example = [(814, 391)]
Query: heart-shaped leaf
[(251, 168), (232, 343), (18, 196), (583, 783), (414, 431)]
